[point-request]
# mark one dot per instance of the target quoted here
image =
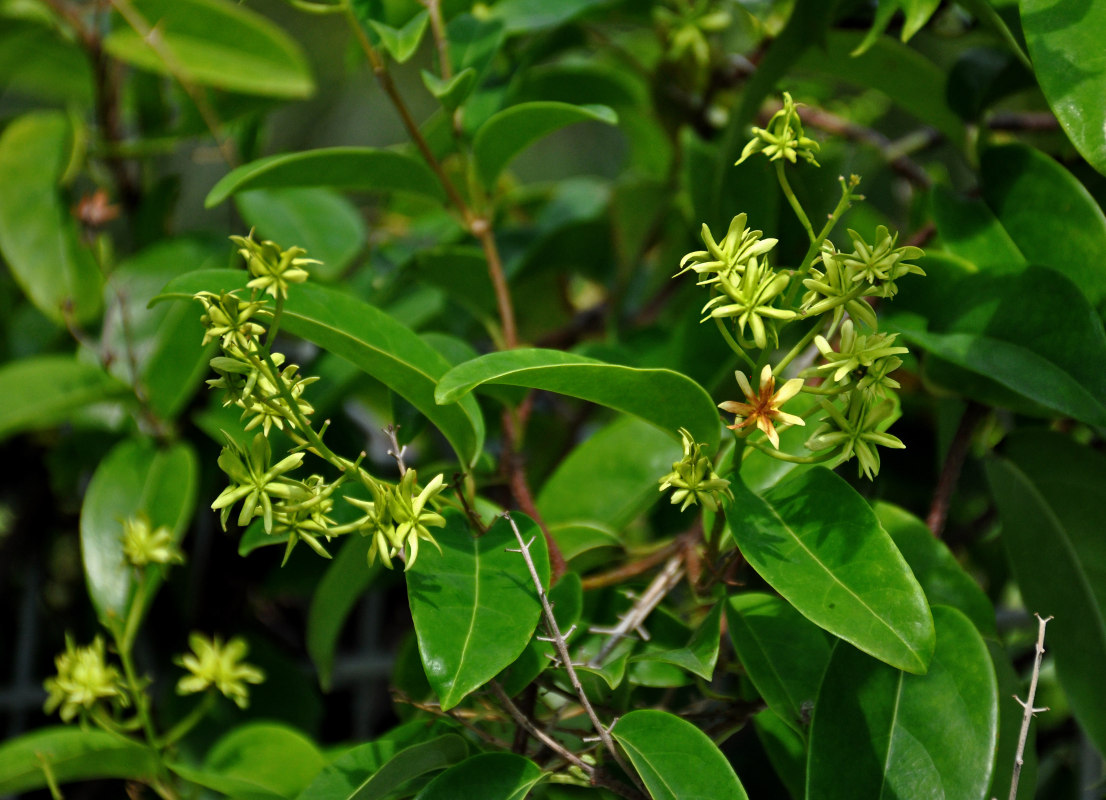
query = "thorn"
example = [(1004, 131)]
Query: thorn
[(512, 549), (569, 632), (644, 634)]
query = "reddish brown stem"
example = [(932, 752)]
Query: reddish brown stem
[(950, 472)]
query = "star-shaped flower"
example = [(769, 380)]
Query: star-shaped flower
[(761, 409), (211, 663)]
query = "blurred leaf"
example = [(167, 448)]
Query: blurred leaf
[(514, 129), (360, 168), (1048, 214), (474, 605), (72, 754), (783, 653), (214, 43), (136, 476), (462, 272), (453, 92), (1065, 42), (258, 761), (367, 337), (676, 760), (356, 776), (942, 578), (473, 43), (817, 543), (37, 62), (661, 397), (325, 224), (38, 236), (917, 13), (488, 776), (582, 83), (899, 734), (567, 599), (969, 229), (346, 579), (982, 76), (700, 654), (1047, 489), (43, 391), (401, 44), (533, 16)]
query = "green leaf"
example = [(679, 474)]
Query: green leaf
[(474, 605), (37, 61), (325, 224), (577, 538), (512, 130), (355, 775), (134, 477), (462, 272), (42, 391), (38, 235), (899, 734), (360, 168), (817, 543), (267, 756), (366, 337), (488, 776), (676, 760), (661, 397), (700, 654), (1048, 491), (942, 578), (214, 43), (1065, 43), (783, 653), (401, 44), (453, 92), (532, 16), (344, 583), (567, 599), (969, 229), (235, 787), (72, 755), (786, 750), (1048, 213)]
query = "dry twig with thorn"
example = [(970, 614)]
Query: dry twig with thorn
[(632, 620), (1027, 705)]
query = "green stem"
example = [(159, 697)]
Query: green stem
[(733, 343), (51, 780), (792, 459), (182, 728), (818, 390), (793, 200), (799, 347), (843, 205)]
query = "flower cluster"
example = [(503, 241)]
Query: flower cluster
[(214, 664), (83, 680), (273, 268), (398, 518), (783, 138), (693, 478)]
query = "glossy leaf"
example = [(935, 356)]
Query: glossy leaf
[(783, 653), (42, 391), (899, 734), (942, 578), (676, 760), (38, 235), (666, 399), (348, 779), (700, 653), (488, 776), (345, 581), (1066, 47), (368, 338), (215, 43), (1048, 213), (1048, 491), (325, 224), (969, 229), (817, 543), (474, 605), (567, 599), (72, 755), (262, 758), (359, 168), (577, 538), (135, 477), (512, 130)]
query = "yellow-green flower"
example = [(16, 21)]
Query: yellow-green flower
[(142, 545), (738, 247), (211, 663), (273, 268), (694, 479), (858, 431), (229, 319), (783, 138), (398, 518), (84, 679)]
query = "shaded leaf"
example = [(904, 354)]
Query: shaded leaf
[(700, 653), (215, 43), (43, 391), (402, 43), (786, 750), (72, 755), (661, 397), (474, 605), (676, 760), (259, 760), (532, 16), (817, 543), (899, 734), (488, 776), (453, 92), (356, 776)]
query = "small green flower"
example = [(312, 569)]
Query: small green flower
[(211, 663), (834, 290), (748, 297), (687, 28), (267, 405), (273, 268), (857, 432), (84, 679), (305, 519), (879, 264), (783, 138), (729, 257), (230, 319), (142, 546), (762, 408), (870, 358), (254, 481), (397, 518), (694, 479)]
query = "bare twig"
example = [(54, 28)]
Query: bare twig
[(561, 646), (630, 569), (1029, 710), (632, 620), (950, 472), (527, 724), (395, 451), (441, 41), (436, 710)]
